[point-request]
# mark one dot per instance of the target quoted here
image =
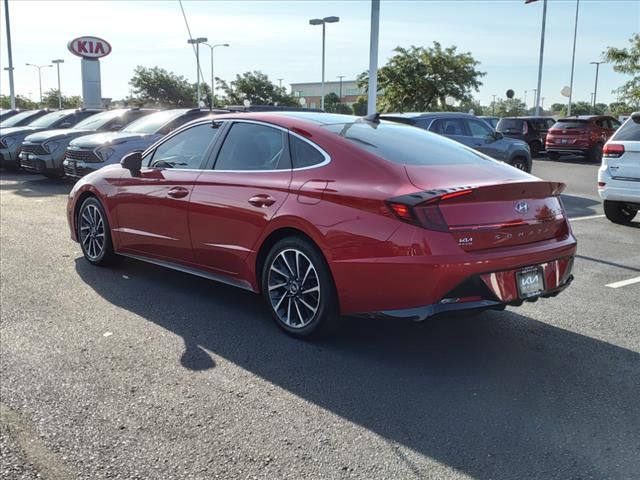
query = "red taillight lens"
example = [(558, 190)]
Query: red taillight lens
[(613, 150), (402, 211)]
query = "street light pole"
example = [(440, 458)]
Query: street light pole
[(538, 90), (39, 67), (213, 78), (57, 63), (197, 42), (323, 22), (12, 93), (595, 88), (373, 57), (280, 82)]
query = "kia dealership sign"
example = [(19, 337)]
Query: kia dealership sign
[(89, 47)]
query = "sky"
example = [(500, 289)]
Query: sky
[(276, 38)]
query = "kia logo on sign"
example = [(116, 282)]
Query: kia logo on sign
[(522, 207), (89, 47)]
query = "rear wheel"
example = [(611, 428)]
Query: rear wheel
[(298, 288), (595, 154), (535, 148), (553, 156), (520, 163), (94, 233), (619, 212)]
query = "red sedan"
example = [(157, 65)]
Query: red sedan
[(326, 214)]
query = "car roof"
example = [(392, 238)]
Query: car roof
[(529, 117), (426, 115)]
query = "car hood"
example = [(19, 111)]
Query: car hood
[(59, 134), (109, 138), (19, 130)]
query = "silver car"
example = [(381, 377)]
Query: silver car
[(91, 152), (11, 138), (43, 152)]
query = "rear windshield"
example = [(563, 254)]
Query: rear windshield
[(404, 144), (571, 123), (17, 118), (630, 131), (510, 125)]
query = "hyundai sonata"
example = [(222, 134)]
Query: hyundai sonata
[(330, 214)]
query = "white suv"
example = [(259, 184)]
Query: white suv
[(619, 175)]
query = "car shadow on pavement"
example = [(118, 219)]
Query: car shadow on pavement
[(580, 206), (33, 185), (496, 396)]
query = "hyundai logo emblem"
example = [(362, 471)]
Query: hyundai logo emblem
[(522, 207)]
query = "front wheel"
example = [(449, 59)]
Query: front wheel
[(520, 163), (94, 233), (535, 148), (298, 288), (619, 212), (595, 154)]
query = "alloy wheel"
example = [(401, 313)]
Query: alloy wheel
[(92, 231), (294, 288)]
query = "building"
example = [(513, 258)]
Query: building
[(312, 91)]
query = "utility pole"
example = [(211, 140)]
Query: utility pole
[(12, 92), (373, 57), (197, 42), (573, 58), (280, 82), (538, 90), (39, 67), (57, 63), (595, 89), (493, 105)]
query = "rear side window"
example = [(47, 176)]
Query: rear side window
[(303, 154), (510, 125), (629, 132), (406, 145), (249, 146)]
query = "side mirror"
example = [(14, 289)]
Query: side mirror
[(132, 161), (497, 135)]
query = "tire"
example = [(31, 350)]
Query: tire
[(553, 156), (595, 154), (535, 148), (619, 212), (299, 290), (520, 163), (93, 225)]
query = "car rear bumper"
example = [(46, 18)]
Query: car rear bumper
[(567, 150), (618, 189), (414, 279)]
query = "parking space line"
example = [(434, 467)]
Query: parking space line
[(624, 283), (586, 218)]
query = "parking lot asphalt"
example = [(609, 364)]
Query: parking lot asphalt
[(138, 372)]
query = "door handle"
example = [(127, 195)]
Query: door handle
[(178, 192), (262, 201)]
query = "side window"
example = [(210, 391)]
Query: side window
[(550, 123), (601, 123), (478, 129), (303, 154), (78, 117), (422, 123), (449, 126), (250, 146), (178, 122), (185, 150)]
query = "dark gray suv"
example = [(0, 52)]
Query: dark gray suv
[(471, 131)]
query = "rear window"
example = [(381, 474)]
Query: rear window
[(405, 144), (630, 131), (510, 125), (571, 123)]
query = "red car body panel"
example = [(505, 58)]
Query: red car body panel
[(560, 138), (378, 262)]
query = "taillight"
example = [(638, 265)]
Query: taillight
[(613, 150), (423, 208)]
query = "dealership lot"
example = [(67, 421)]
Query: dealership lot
[(140, 372)]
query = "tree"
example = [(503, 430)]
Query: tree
[(511, 107), (419, 79), (619, 108), (159, 87), (50, 100), (360, 107), (474, 105), (257, 88), (627, 60), (558, 107), (22, 103)]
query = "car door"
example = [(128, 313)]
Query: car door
[(235, 198), (483, 139), (152, 205)]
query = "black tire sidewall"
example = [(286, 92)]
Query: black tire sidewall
[(615, 213), (107, 255), (323, 320), (520, 160)]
